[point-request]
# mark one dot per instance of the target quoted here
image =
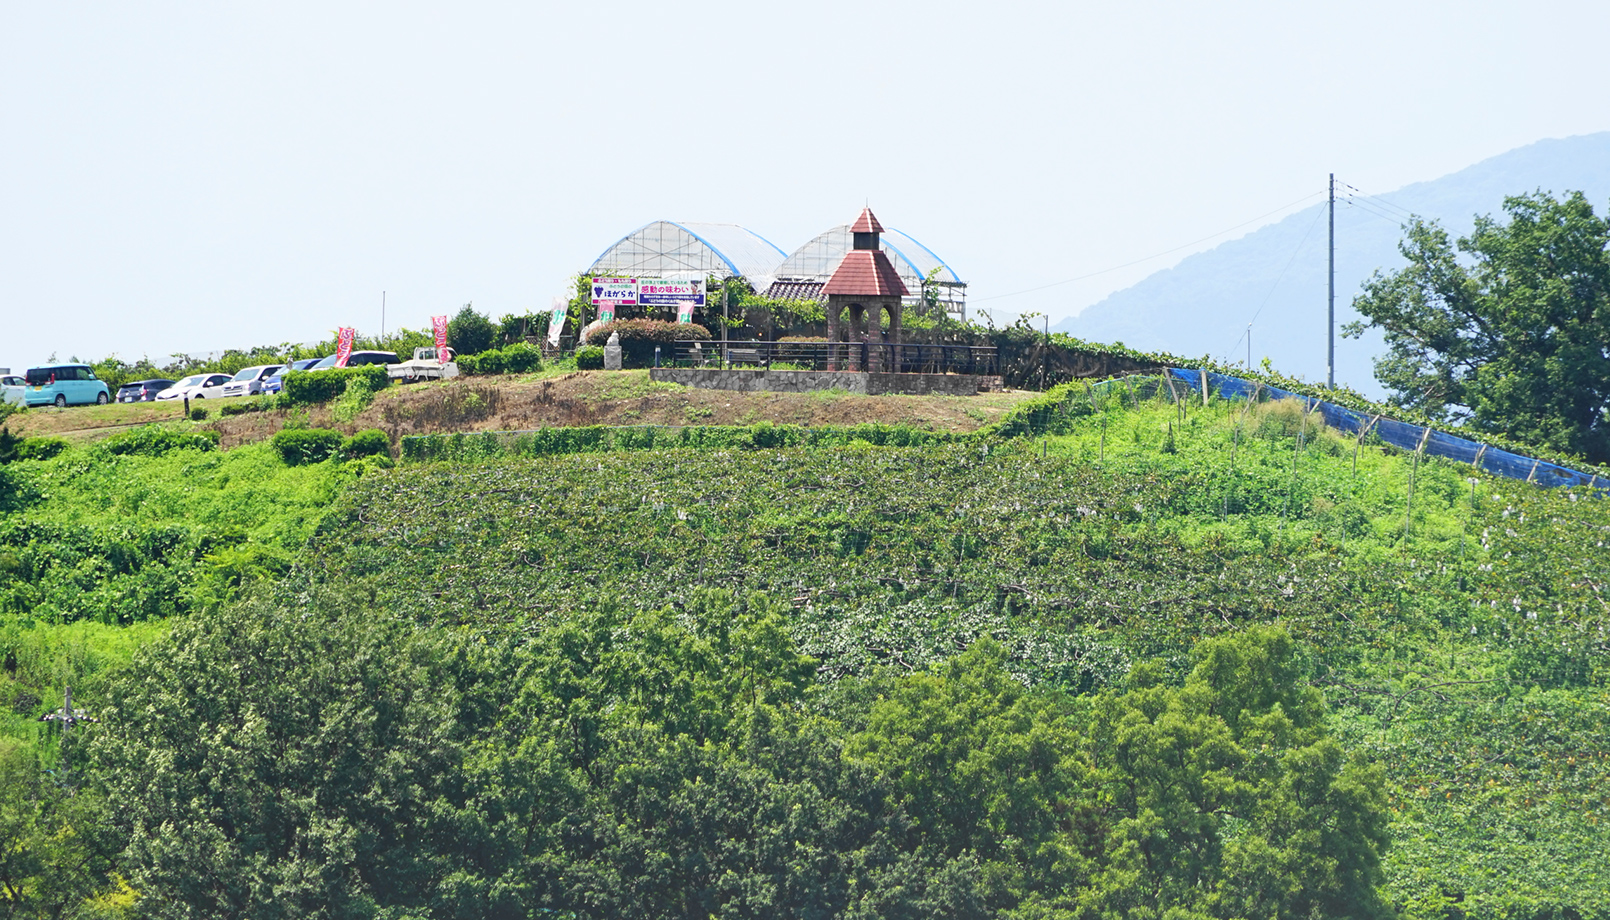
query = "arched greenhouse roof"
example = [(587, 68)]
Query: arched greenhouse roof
[(816, 260), (689, 250)]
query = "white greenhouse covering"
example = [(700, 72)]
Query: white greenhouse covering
[(687, 251), (816, 260)]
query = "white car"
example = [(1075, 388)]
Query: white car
[(11, 389), (197, 386), (249, 380)]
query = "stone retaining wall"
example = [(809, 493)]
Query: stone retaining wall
[(808, 381)]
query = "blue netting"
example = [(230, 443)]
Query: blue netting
[(1402, 434)]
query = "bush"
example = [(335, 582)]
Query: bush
[(198, 414), (639, 337), (154, 441), (239, 408), (368, 443), (297, 446), (590, 358), (40, 448), (308, 387), (518, 358)]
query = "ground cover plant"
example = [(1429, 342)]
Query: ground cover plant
[(1115, 654)]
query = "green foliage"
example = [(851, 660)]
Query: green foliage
[(49, 866), (544, 442), (639, 338), (590, 358), (518, 358), (306, 445), (470, 333), (198, 413), (302, 388), (370, 442), (1511, 335), (9, 445), (156, 440)]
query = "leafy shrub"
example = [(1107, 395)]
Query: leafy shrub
[(241, 408), (368, 443), (306, 445), (307, 387), (154, 441), (40, 448), (198, 414), (590, 358), (519, 358), (639, 337)]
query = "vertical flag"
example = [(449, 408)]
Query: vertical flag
[(556, 321), (438, 325), (343, 345)]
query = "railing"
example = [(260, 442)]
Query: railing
[(882, 357)]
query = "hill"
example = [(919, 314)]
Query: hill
[(1275, 277), (974, 678)]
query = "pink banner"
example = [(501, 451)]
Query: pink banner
[(438, 324), (343, 345)]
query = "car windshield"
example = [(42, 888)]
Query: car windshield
[(324, 362), (191, 381), (247, 374)]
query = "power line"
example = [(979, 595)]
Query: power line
[(1279, 278), (1150, 257)]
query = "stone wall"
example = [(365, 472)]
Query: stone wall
[(808, 381)]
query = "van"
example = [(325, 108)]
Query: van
[(64, 385)]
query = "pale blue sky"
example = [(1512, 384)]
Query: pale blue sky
[(190, 177)]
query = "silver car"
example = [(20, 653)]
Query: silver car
[(196, 386), (249, 380), (11, 389)]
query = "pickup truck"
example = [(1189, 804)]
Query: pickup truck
[(424, 366)]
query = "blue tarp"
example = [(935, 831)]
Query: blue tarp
[(1402, 434)]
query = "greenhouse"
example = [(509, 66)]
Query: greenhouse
[(689, 251)]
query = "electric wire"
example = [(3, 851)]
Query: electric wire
[(1150, 257), (1279, 278)]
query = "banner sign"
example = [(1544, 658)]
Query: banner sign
[(556, 320), (684, 295), (438, 325), (343, 345), (617, 292)]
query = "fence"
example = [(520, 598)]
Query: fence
[(1418, 438), (879, 357)]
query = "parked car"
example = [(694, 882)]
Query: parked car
[(426, 365), (12, 390), (357, 359), (197, 386), (277, 382), (141, 390), (65, 385), (249, 380)]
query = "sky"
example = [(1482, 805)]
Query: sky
[(195, 177)]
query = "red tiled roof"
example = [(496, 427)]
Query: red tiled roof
[(795, 290), (866, 223), (865, 273)]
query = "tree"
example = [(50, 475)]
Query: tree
[(470, 333), (1507, 330)]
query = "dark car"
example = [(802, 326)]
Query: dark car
[(142, 390), (277, 382), (357, 359)]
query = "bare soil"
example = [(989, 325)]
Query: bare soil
[(537, 401)]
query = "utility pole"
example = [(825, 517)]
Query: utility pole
[(382, 314), (1249, 346), (1330, 329)]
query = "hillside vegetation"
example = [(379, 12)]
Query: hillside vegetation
[(1112, 655)]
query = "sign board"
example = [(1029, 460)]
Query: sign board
[(617, 292), (343, 344), (684, 295)]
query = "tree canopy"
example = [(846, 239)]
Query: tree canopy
[(1507, 329)]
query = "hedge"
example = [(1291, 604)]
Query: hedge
[(590, 358), (544, 442), (307, 387), (518, 358), (639, 337), (154, 441), (306, 445)]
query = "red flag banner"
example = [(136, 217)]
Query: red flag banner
[(438, 325), (343, 345)]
